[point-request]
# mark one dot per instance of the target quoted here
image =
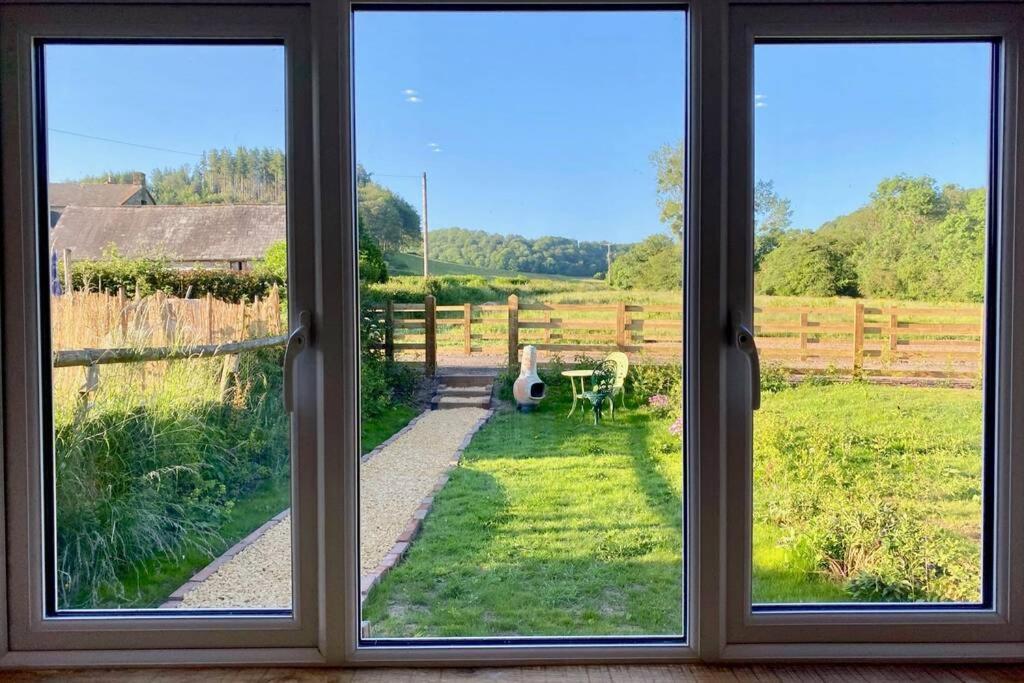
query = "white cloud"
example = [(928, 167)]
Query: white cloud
[(409, 91), (760, 97), (760, 105), (413, 98)]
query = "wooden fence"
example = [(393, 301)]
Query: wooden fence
[(90, 329), (906, 340), (81, 320)]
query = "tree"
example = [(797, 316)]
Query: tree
[(668, 160), (656, 263), (806, 264), (386, 218), (554, 255), (773, 215)]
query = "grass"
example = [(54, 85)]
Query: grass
[(149, 584), (412, 264), (550, 526), (381, 428), (832, 460)]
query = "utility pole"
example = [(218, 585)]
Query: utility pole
[(426, 249)]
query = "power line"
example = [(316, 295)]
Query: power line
[(392, 175), (122, 142)]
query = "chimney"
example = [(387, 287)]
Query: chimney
[(138, 178)]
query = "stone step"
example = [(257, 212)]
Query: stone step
[(480, 391), (467, 380), (448, 402)]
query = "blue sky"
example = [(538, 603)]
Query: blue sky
[(543, 123)]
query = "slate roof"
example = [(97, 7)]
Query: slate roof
[(227, 232), (90, 194)]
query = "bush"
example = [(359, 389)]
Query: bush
[(140, 476), (656, 263), (773, 378), (148, 276)]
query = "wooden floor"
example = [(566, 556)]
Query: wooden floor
[(579, 674)]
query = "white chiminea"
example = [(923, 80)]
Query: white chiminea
[(528, 388)]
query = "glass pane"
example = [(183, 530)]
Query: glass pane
[(521, 401), (166, 244), (870, 204)]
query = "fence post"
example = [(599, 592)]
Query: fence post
[(513, 332), (430, 335), (241, 319), (209, 318), (893, 328), (803, 333), (122, 313), (467, 328), (858, 338), (620, 325), (389, 329), (160, 327)]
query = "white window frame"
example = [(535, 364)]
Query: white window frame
[(324, 628), (865, 630), (293, 635)]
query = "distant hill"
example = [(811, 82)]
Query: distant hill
[(545, 255), (412, 264)]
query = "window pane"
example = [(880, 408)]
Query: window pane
[(543, 179), (871, 216), (166, 242)]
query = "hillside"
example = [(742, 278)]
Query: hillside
[(412, 264), (548, 255)]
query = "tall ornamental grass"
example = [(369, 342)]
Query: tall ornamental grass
[(153, 465)]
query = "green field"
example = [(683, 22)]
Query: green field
[(412, 264)]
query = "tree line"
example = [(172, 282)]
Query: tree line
[(913, 240), (547, 255)]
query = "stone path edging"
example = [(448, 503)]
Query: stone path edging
[(412, 528), (175, 598)]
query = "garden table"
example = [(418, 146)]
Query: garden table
[(572, 375)]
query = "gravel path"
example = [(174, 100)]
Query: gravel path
[(392, 484)]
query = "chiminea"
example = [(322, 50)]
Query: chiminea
[(528, 388)]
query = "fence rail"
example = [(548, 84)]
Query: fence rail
[(898, 341)]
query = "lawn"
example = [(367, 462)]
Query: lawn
[(552, 527)]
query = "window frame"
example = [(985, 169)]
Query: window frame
[(809, 624), (324, 628), (25, 29)]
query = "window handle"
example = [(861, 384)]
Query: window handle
[(298, 340), (744, 339)]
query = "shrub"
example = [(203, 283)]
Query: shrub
[(145, 474), (773, 378), (647, 379), (147, 276)]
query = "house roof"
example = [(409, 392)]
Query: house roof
[(228, 232), (91, 194)]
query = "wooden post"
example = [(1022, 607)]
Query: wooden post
[(858, 337), (275, 308), (68, 288), (241, 319), (85, 392), (389, 329), (893, 329), (803, 333), (620, 325), (228, 372), (209, 318), (547, 330), (513, 333), (159, 328), (467, 328), (430, 335), (122, 312)]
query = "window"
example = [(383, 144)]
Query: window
[(521, 407), (479, 426)]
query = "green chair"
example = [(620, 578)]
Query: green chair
[(603, 387), (621, 361)]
